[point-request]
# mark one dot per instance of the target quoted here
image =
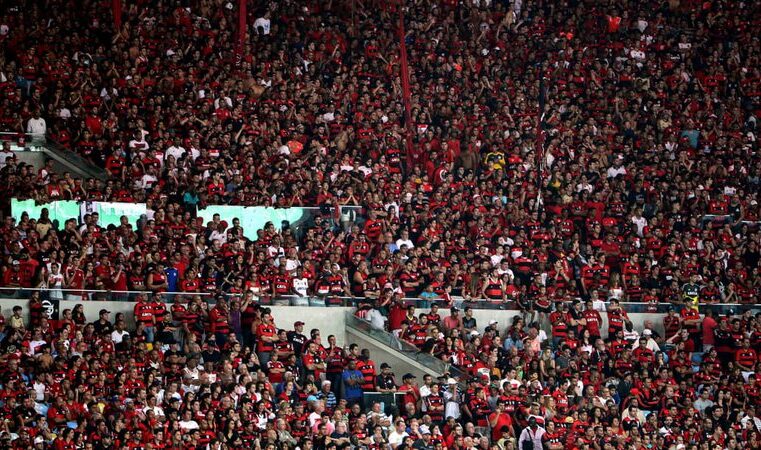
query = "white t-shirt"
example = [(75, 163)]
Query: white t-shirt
[(264, 24), (157, 410), (36, 126), (301, 285), (55, 280), (34, 345), (220, 236), (376, 319), (4, 155), (616, 171), (407, 242), (188, 424), (599, 305), (508, 271), (641, 223), (141, 145), (148, 181), (118, 336), (275, 252), (175, 151), (292, 264), (396, 438), (39, 390)]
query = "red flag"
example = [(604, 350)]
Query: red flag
[(405, 76), (242, 24), (116, 5)]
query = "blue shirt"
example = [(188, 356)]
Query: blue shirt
[(352, 392), (172, 276)]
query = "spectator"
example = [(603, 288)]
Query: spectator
[(352, 381), (36, 125), (532, 436), (398, 434), (639, 184)]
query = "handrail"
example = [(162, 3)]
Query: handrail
[(39, 142), (710, 217), (25, 133), (409, 350), (56, 151), (313, 300)]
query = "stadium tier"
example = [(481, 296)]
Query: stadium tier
[(380, 225)]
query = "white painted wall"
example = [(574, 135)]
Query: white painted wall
[(328, 320)]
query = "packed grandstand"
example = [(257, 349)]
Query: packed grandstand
[(569, 161)]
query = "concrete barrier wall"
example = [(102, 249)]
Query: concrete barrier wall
[(328, 320), (505, 319)]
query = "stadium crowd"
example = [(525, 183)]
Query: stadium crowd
[(637, 181)]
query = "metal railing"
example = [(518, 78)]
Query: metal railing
[(33, 142), (410, 351), (11, 293), (36, 142), (69, 158), (724, 219)]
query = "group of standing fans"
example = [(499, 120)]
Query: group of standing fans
[(564, 158), (198, 375)]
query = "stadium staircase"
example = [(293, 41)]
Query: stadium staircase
[(402, 356)]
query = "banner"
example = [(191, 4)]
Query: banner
[(59, 211), (51, 309), (110, 213), (253, 218), (406, 94)]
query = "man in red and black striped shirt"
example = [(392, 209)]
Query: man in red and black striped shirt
[(143, 311), (219, 321), (435, 404), (746, 357), (367, 367), (266, 334)]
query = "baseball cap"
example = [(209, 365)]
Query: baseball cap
[(385, 366), (104, 311), (298, 323), (407, 376)]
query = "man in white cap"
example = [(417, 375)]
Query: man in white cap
[(452, 397), (424, 441), (647, 334)]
